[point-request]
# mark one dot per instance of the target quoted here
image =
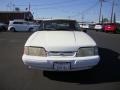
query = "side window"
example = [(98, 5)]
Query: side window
[(26, 23), (77, 26), (18, 23)]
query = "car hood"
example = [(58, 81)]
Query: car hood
[(60, 40)]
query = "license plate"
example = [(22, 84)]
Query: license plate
[(61, 66)]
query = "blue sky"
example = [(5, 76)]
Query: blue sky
[(75, 9)]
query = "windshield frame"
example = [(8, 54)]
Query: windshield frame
[(73, 25)]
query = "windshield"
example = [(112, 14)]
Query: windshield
[(60, 25)]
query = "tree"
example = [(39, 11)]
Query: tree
[(105, 20), (17, 9)]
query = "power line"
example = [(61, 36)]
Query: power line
[(86, 10), (83, 12), (54, 5), (51, 4)]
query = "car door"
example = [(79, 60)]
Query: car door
[(25, 26), (17, 25)]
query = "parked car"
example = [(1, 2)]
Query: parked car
[(84, 26), (91, 26), (3, 27), (112, 27), (98, 27), (21, 25), (61, 46)]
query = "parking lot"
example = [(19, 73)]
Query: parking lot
[(15, 76)]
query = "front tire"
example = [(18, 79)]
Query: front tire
[(96, 30), (30, 29), (12, 29)]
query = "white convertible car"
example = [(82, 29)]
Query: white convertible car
[(60, 46)]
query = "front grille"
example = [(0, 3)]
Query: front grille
[(53, 53)]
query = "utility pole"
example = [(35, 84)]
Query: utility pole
[(29, 7), (102, 19), (100, 14), (13, 7), (113, 4), (82, 18), (114, 19), (9, 5)]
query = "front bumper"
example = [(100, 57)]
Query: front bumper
[(47, 63)]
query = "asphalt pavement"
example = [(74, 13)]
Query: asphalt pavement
[(15, 76)]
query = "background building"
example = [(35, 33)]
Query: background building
[(6, 16)]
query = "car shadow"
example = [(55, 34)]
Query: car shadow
[(108, 70)]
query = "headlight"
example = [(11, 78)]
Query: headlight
[(35, 51), (87, 51)]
